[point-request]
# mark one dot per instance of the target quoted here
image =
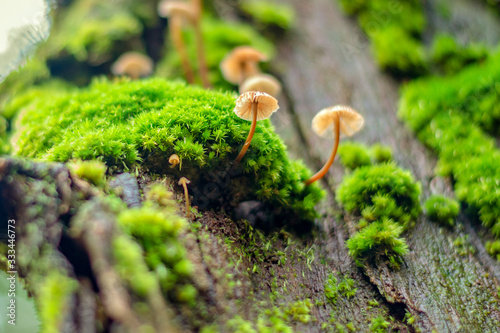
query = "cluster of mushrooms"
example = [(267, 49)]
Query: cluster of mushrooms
[(258, 101), (258, 91)]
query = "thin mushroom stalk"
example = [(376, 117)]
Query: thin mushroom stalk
[(184, 181), (202, 63), (250, 134), (337, 119), (253, 106), (175, 26), (321, 173)]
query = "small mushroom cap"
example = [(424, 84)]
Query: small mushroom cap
[(183, 181), (167, 8), (133, 64), (266, 105), (350, 121), (261, 82), (174, 159), (242, 59)]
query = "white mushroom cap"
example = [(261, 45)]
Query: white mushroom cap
[(261, 82), (266, 105), (242, 59), (350, 121), (133, 64), (168, 8)]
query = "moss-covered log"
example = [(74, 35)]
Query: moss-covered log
[(92, 265)]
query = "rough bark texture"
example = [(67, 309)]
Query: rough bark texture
[(326, 60)]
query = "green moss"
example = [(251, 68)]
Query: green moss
[(451, 57), (353, 155), (219, 39), (335, 288), (300, 311), (379, 325), (269, 321), (442, 209), (394, 28), (493, 248), (54, 298), (90, 30), (453, 116), (462, 245), (378, 238), (122, 123), (408, 58), (32, 72), (270, 13), (381, 153), (152, 255), (92, 171), (381, 191), (409, 318), (131, 267)]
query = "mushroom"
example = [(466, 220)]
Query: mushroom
[(241, 63), (133, 64), (174, 160), (177, 11), (254, 106), (261, 82), (183, 182), (337, 119)]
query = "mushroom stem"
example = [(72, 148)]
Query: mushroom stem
[(202, 64), (186, 194), (321, 173), (175, 26), (250, 134)]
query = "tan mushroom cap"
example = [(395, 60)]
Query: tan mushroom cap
[(167, 8), (261, 82), (174, 159), (133, 64), (350, 121), (266, 105), (241, 59), (183, 180)]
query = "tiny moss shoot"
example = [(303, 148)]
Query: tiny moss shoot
[(54, 297), (442, 209), (493, 248), (335, 288), (378, 238), (91, 171), (269, 13), (354, 155)]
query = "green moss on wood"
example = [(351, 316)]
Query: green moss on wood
[(353, 155), (394, 28), (334, 288), (442, 209), (378, 238), (451, 57), (493, 248), (381, 191), (123, 123), (92, 171), (270, 14), (454, 116), (54, 297)]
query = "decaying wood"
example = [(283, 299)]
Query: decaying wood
[(325, 60)]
